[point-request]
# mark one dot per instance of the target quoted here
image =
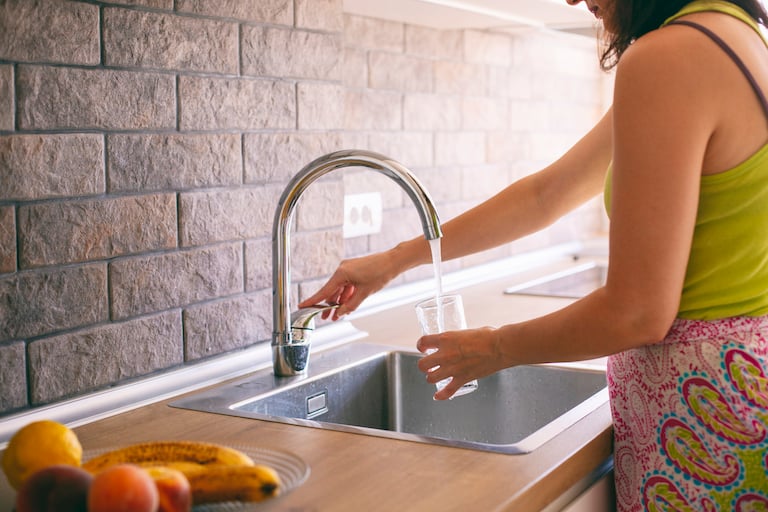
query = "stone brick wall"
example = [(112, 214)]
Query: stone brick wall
[(144, 143)]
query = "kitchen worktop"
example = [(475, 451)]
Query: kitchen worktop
[(359, 472)]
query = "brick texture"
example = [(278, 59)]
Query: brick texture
[(71, 232), (321, 206), (258, 264), (161, 162), (208, 217), (355, 68), (445, 182), (374, 34), (7, 119), (155, 4), (45, 166), (373, 110), (434, 43), (281, 52), (154, 283), (413, 149), (400, 72), (263, 165), (320, 15), (228, 103), (148, 39), (269, 11), (487, 48), (49, 31), (226, 325), (431, 112), (37, 303), (61, 366), (67, 98), (318, 105), (484, 113), (13, 378), (460, 78), (315, 253), (7, 239), (460, 148)]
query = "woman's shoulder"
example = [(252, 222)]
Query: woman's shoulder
[(668, 55), (680, 46), (670, 44), (670, 71)]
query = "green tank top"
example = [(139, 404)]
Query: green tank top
[(727, 273)]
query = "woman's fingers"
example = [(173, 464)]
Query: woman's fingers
[(328, 291), (426, 343), (435, 374), (346, 293), (448, 391), (345, 299), (461, 356)]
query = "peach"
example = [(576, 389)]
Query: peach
[(59, 488), (123, 488), (173, 489)]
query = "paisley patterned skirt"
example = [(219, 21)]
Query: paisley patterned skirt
[(691, 419)]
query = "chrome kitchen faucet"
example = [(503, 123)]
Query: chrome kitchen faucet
[(291, 337)]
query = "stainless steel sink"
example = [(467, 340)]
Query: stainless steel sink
[(377, 390)]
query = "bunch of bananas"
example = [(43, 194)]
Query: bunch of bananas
[(215, 472)]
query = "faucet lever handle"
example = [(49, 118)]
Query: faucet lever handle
[(304, 320)]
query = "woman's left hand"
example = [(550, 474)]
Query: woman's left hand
[(461, 355)]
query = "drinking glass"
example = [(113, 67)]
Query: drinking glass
[(439, 314)]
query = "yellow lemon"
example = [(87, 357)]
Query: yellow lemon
[(37, 445)]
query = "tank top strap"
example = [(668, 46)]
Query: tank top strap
[(732, 54)]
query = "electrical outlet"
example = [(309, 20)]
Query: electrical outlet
[(362, 214)]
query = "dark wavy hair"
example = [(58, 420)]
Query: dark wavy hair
[(634, 18)]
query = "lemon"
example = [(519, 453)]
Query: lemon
[(37, 445)]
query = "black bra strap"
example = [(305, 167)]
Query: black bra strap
[(722, 44)]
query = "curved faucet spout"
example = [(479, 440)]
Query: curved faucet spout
[(281, 278)]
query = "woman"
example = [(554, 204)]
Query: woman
[(684, 311)]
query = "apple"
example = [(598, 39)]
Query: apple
[(56, 488)]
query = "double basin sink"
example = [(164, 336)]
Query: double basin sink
[(378, 391)]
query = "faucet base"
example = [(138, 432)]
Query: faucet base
[(291, 359)]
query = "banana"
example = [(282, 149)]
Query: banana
[(184, 466), (164, 452), (233, 483)]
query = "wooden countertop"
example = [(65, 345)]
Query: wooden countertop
[(359, 472)]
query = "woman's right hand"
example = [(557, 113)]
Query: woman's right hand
[(353, 281)]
